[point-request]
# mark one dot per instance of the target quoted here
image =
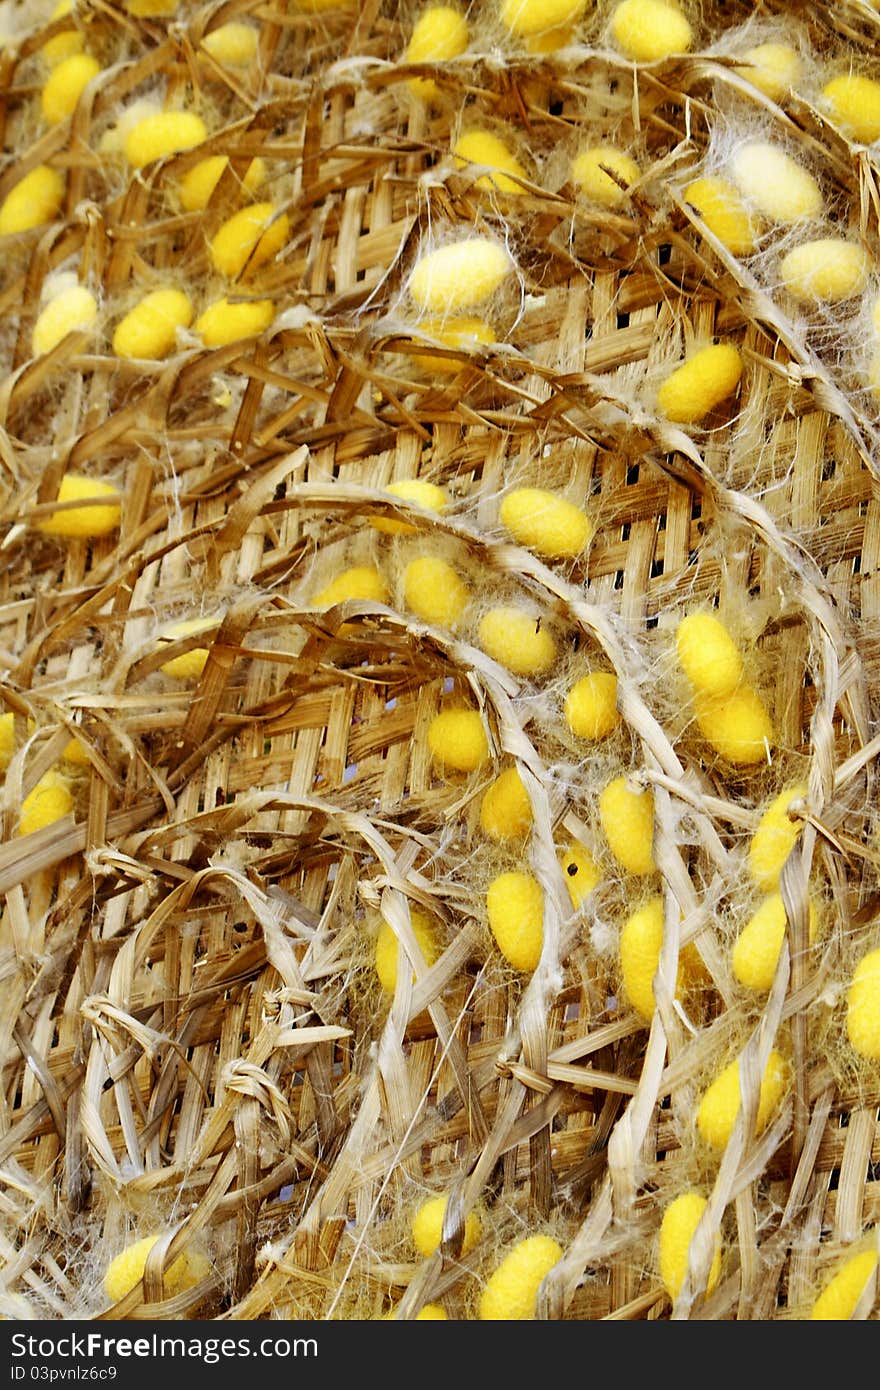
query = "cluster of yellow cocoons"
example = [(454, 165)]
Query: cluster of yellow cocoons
[(730, 714), (127, 1268)]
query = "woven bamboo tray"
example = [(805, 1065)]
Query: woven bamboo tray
[(192, 1035)]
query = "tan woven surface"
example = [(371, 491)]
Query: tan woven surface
[(192, 1036)]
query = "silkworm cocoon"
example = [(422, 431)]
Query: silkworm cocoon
[(440, 32), (460, 275), (151, 9), (484, 148), (127, 1268), (738, 725), (50, 800), (73, 752), (64, 44), (199, 182), (505, 811), (756, 950), (680, 1220), (65, 84), (546, 523), (515, 908), (74, 308), (627, 818), (435, 592), (420, 493), (708, 654), (454, 333), (189, 665), (775, 184), (518, 640), (827, 270), (582, 873), (721, 207), (457, 740), (648, 30), (720, 1105), (529, 19), (361, 581), (641, 940), (149, 330), (248, 239), (604, 173), (705, 379), (775, 837), (234, 44), (511, 1292), (591, 705), (863, 1007), (427, 1226), (425, 932), (7, 739), (774, 68), (837, 1301), (853, 102), (224, 322), (83, 521), (163, 133), (34, 200)]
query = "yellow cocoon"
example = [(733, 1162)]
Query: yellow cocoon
[(756, 950), (511, 1292), (189, 665), (604, 173), (854, 104), (641, 940), (827, 270), (163, 133), (680, 1221), (34, 200), (737, 725), (546, 523), (74, 308), (64, 44), (528, 19), (460, 275), (837, 1301), (705, 379), (149, 330), (518, 640), (505, 811), (435, 591), (720, 1105), (775, 837), (721, 207), (432, 1312), (419, 493), (49, 801), (199, 182), (128, 1267), (361, 581), (234, 44), (591, 705), (457, 740), (776, 185), (648, 30), (440, 33), (83, 521), (581, 872), (427, 1226), (453, 333), (484, 148), (627, 818), (224, 322), (863, 1007), (425, 932), (248, 239), (515, 907), (65, 84), (774, 68), (151, 9), (7, 739), (708, 654)]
